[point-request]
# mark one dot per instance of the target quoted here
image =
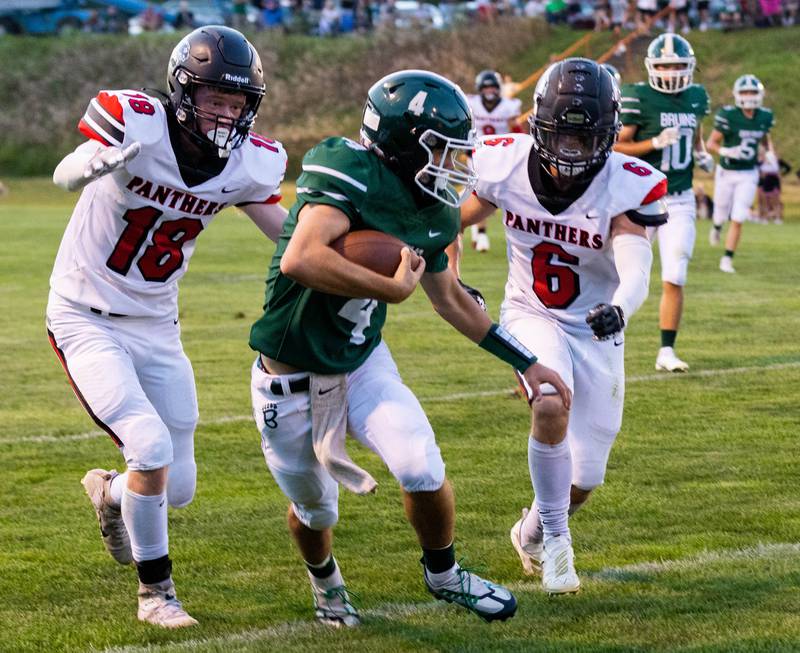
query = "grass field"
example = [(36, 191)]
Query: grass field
[(692, 545)]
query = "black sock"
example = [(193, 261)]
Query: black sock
[(481, 230), (154, 571), (439, 560), (668, 337), (324, 570), (729, 253), (718, 227)]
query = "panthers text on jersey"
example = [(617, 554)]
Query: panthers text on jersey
[(652, 111), (498, 120), (560, 265), (329, 334), (746, 133), (133, 231)]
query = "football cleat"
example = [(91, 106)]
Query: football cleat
[(714, 237), (726, 265), (667, 361), (558, 567), (159, 606), (97, 483), (332, 605), (487, 600), (530, 553)]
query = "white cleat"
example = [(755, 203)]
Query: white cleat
[(159, 606), (726, 265), (714, 237), (481, 242), (558, 567), (97, 483), (667, 361), (332, 605), (530, 554), (486, 599)]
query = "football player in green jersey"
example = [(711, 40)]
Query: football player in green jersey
[(661, 124), (322, 365), (737, 133)]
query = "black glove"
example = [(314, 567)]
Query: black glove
[(475, 294), (605, 320)]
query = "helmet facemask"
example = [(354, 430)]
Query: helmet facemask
[(448, 175), (676, 78), (227, 133), (748, 93)]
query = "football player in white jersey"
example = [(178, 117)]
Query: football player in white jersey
[(575, 216), (154, 172), (491, 114)]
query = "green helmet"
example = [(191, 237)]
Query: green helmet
[(612, 70), (748, 92), (670, 63), (420, 124)]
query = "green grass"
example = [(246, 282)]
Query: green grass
[(690, 546)]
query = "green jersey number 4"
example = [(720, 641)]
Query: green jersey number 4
[(359, 312), (678, 156)]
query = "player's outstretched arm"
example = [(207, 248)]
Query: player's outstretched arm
[(455, 305), (90, 161), (311, 261), (267, 217), (473, 211)]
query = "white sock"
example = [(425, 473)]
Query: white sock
[(118, 485), (334, 580), (551, 473), (146, 520), (442, 578), (531, 530)]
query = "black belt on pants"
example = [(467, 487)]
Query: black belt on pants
[(276, 387), (97, 311)]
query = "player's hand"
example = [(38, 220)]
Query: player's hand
[(109, 159), (667, 137), (537, 374), (475, 294), (704, 161), (734, 152), (605, 320), (408, 274)]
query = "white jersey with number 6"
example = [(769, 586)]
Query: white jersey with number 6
[(560, 266), (133, 231), (499, 120)]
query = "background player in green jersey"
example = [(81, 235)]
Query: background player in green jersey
[(322, 364), (737, 133), (662, 125)]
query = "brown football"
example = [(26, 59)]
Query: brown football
[(371, 249)]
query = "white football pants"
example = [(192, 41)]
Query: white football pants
[(676, 237), (734, 192)]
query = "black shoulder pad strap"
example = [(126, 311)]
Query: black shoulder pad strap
[(650, 215)]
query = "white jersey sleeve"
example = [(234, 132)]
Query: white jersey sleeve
[(133, 231)]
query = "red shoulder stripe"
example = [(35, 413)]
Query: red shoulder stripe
[(657, 192), (91, 134), (273, 199), (111, 104)]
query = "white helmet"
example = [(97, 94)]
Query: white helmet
[(748, 92), (670, 49)]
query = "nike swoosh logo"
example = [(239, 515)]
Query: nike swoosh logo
[(229, 190), (175, 321), (324, 392), (591, 217), (433, 234)]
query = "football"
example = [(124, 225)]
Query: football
[(371, 249)]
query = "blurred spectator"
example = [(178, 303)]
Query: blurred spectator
[(556, 11), (271, 15), (151, 18), (387, 15), (329, 19), (770, 12), (679, 13), (602, 15), (239, 14), (113, 21), (703, 14), (347, 16), (645, 10), (731, 15), (790, 15), (93, 23), (617, 14), (185, 17), (534, 8)]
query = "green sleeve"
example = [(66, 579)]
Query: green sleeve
[(436, 262), (631, 110), (721, 122)]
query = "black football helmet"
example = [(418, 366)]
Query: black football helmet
[(224, 59), (488, 78), (575, 120)]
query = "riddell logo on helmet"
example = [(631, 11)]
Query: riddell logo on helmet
[(236, 78)]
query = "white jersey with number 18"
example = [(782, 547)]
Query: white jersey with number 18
[(133, 231)]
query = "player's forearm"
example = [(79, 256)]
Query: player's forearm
[(453, 252), (634, 148), (321, 268), (633, 257), (69, 173)]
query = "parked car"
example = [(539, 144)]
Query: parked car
[(410, 13), (57, 16)]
